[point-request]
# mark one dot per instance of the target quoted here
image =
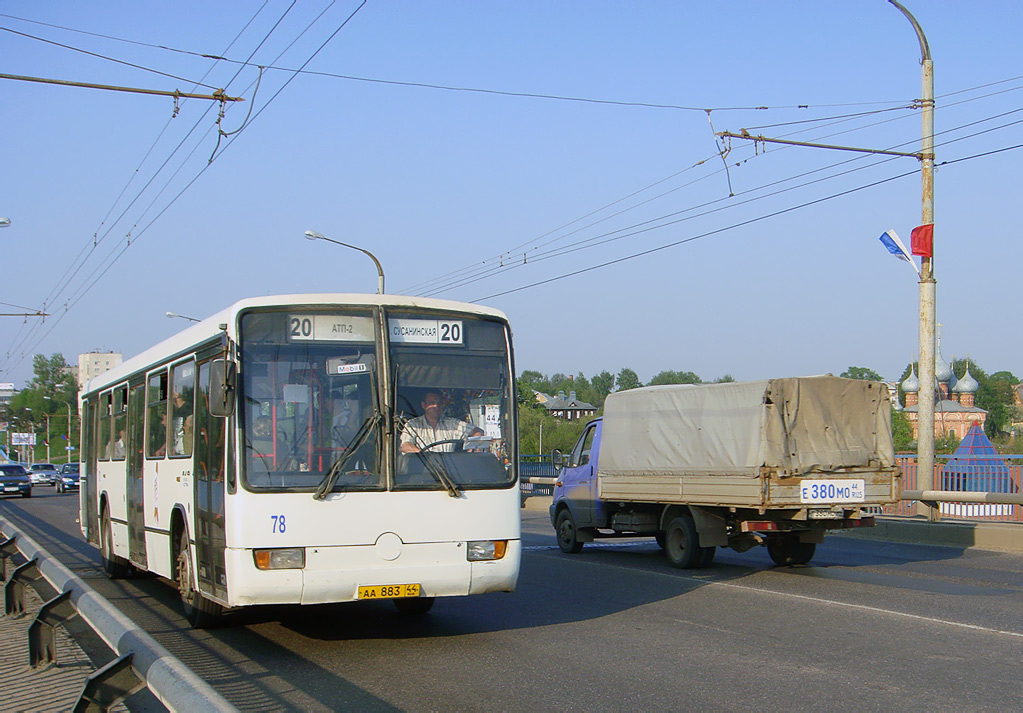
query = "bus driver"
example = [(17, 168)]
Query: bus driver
[(433, 426)]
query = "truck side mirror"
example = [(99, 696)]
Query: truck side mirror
[(558, 458), (222, 378)]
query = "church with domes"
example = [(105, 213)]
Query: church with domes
[(954, 407)]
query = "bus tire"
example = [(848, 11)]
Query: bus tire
[(115, 567), (787, 550), (414, 605), (568, 535), (681, 543), (200, 611)]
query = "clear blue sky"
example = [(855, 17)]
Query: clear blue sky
[(456, 189)]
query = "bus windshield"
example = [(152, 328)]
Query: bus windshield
[(452, 402), (309, 404)]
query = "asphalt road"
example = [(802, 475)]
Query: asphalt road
[(868, 625)]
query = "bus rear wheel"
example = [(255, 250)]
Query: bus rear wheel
[(200, 611)]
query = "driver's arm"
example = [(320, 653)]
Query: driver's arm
[(408, 438)]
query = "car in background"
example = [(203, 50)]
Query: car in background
[(14, 480), (67, 478), (43, 473)]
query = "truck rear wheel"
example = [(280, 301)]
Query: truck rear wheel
[(788, 550), (568, 537), (681, 543)]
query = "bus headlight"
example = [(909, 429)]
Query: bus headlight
[(483, 550), (289, 558)]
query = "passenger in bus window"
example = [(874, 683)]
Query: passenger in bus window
[(345, 423), (181, 423), (158, 437), (118, 449), (433, 426)]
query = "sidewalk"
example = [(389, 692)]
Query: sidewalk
[(55, 687)]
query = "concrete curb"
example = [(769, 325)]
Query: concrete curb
[(983, 535)]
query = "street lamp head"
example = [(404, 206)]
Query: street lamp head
[(5, 222), (313, 235), (175, 315)]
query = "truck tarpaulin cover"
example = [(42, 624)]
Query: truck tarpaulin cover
[(796, 425)]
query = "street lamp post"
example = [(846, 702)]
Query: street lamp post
[(313, 235), (928, 285), (67, 451)]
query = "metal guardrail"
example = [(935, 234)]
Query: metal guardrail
[(141, 660), (536, 475)]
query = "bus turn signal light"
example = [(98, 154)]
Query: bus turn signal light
[(485, 550), (288, 558)]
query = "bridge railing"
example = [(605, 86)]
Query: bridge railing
[(976, 487), (140, 659), (536, 475)]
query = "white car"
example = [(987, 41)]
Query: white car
[(43, 473)]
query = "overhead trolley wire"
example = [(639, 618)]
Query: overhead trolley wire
[(734, 225), (82, 292)]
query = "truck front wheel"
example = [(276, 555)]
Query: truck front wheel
[(681, 543), (787, 550), (568, 538)]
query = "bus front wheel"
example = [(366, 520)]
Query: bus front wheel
[(200, 611)]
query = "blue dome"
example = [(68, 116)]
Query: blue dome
[(966, 385), (912, 384)]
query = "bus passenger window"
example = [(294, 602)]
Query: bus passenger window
[(156, 415), (182, 405)]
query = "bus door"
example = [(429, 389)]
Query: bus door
[(88, 496), (209, 470), (134, 475)]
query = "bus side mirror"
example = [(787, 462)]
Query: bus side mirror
[(222, 378)]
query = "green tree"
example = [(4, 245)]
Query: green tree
[(52, 392), (627, 379), (603, 384), (675, 377), (862, 373), (726, 379), (902, 432)]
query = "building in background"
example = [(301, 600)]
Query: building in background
[(954, 408), (93, 364)]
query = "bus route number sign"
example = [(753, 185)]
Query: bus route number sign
[(445, 332), (329, 328)]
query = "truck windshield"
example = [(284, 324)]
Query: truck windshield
[(452, 402), (309, 400)]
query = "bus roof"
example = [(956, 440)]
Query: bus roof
[(210, 327)]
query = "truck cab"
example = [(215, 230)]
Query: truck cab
[(575, 509)]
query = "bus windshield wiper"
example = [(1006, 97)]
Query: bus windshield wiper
[(367, 427), (434, 466)]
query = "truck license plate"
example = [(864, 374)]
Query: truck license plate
[(389, 591), (832, 491)]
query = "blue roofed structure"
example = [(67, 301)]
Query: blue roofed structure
[(976, 466)]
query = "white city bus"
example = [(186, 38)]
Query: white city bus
[(256, 457)]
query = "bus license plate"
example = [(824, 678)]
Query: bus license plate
[(832, 491), (389, 591)]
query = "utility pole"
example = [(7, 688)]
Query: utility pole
[(925, 406), (928, 285)]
